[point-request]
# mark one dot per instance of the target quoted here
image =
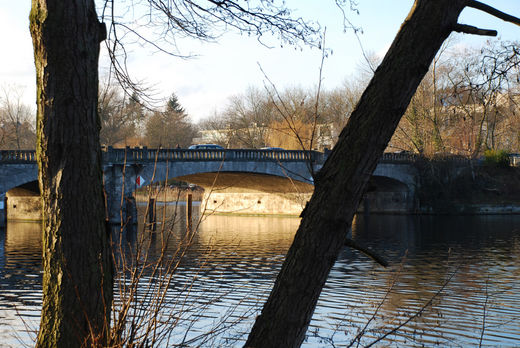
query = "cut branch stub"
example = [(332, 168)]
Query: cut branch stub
[(469, 29)]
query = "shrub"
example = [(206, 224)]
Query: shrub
[(496, 158)]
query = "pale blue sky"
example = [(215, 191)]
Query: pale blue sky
[(204, 84)]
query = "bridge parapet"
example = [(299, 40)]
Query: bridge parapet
[(133, 155), (162, 155), (411, 158), (17, 156), (390, 157)]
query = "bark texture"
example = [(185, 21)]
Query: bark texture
[(341, 182), (77, 263)]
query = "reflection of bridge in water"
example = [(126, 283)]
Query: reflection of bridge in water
[(245, 181)]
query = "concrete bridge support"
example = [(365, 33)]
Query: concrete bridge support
[(120, 183)]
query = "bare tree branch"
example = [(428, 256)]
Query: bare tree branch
[(493, 11), (373, 255)]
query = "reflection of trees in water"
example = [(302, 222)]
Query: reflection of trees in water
[(435, 235)]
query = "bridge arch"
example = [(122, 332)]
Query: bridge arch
[(160, 171), (14, 175), (387, 195), (251, 193)]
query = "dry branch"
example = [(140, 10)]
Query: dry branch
[(494, 12)]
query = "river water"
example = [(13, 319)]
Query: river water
[(452, 281)]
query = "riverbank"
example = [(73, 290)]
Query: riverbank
[(468, 190)]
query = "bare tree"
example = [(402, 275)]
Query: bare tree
[(340, 184), (215, 129), (478, 96), (162, 26), (118, 115), (463, 105), (16, 121), (247, 118), (338, 105), (284, 119), (420, 130)]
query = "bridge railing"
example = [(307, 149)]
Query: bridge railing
[(17, 156), (161, 155), (399, 157), (390, 157), (147, 155)]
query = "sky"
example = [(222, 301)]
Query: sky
[(204, 84)]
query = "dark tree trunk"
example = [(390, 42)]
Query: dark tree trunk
[(77, 262), (342, 180)]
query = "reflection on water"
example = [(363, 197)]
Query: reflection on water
[(462, 272), (20, 282), (452, 280)]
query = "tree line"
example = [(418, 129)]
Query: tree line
[(466, 104), (17, 131), (124, 121)]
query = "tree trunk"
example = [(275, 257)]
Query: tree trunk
[(77, 259), (342, 180)]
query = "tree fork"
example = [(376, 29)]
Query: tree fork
[(77, 262), (340, 184)]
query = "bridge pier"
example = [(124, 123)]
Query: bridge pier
[(119, 183)]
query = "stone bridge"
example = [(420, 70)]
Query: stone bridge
[(235, 180)]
